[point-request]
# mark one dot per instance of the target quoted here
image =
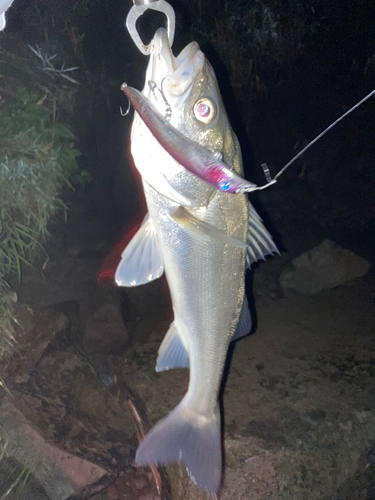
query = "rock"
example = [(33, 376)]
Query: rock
[(74, 250), (105, 331), (10, 297), (299, 402), (324, 267), (140, 482), (61, 421), (60, 473), (111, 493), (31, 341)]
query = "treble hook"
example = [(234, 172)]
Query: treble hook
[(127, 111), (153, 87)]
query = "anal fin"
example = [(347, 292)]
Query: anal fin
[(244, 322), (172, 352)]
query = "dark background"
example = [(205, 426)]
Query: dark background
[(286, 70)]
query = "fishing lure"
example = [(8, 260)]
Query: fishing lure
[(218, 173), (206, 165)]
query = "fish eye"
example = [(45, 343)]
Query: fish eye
[(204, 110)]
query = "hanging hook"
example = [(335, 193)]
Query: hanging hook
[(126, 112), (168, 110), (139, 8), (129, 104)]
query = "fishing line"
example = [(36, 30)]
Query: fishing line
[(266, 170)]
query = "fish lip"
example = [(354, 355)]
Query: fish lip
[(178, 72), (162, 52)]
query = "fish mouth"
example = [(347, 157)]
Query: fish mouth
[(178, 72)]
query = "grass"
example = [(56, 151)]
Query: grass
[(17, 475), (37, 157)]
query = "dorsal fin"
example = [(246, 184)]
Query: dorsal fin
[(259, 240)]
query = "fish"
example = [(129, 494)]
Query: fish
[(4, 6), (203, 239), (198, 160)]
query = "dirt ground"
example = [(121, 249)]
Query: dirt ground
[(298, 399), (298, 396)]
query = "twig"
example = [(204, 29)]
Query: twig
[(140, 435), (48, 66)]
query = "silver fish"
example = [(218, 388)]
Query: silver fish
[(207, 166), (202, 238)]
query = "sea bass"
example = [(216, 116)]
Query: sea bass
[(208, 166), (202, 238)]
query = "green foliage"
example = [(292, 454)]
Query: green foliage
[(17, 475), (37, 135), (37, 156)]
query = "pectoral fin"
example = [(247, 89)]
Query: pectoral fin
[(172, 352), (259, 240), (141, 261), (189, 221)]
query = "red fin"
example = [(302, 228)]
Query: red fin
[(106, 275)]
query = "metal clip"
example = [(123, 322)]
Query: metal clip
[(139, 8)]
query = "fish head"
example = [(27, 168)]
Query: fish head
[(188, 85)]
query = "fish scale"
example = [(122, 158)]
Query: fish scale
[(206, 281), (198, 235)]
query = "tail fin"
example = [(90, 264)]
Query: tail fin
[(195, 440)]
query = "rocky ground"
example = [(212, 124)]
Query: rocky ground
[(298, 398)]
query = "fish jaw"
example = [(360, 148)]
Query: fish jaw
[(154, 164), (173, 75), (187, 153), (183, 80)]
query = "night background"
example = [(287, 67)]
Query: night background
[(77, 356)]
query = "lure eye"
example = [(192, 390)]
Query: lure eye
[(204, 110)]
